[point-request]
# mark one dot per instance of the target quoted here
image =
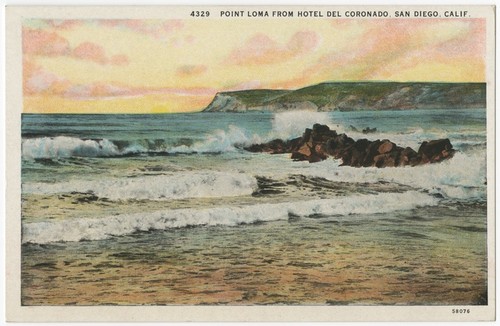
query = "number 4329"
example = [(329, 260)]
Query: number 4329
[(196, 13)]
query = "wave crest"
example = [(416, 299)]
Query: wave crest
[(160, 187), (291, 124), (103, 228), (63, 147)]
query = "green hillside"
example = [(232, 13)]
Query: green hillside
[(355, 96)]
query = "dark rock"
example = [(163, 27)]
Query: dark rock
[(355, 154), (320, 142), (334, 146), (276, 146), (435, 150), (386, 160), (369, 130), (305, 150), (322, 129), (408, 157), (386, 146)]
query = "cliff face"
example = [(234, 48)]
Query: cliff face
[(350, 96)]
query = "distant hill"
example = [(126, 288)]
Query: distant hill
[(349, 96)]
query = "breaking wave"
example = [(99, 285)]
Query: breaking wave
[(103, 228), (287, 125), (159, 187), (63, 147), (462, 177), (219, 141)]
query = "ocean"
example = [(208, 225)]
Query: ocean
[(170, 210)]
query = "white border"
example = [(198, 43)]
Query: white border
[(251, 313)]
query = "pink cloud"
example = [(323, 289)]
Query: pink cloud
[(39, 81), (78, 91), (91, 52), (119, 60), (64, 24), (303, 42), (470, 44), (390, 44), (155, 28), (261, 49), (40, 42), (116, 90), (97, 90)]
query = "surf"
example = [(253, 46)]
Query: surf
[(90, 229)]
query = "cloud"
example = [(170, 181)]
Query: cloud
[(39, 81), (29, 68), (91, 52), (97, 90), (465, 38), (102, 90), (157, 29), (64, 24), (54, 24), (302, 42), (387, 47), (44, 43), (261, 49), (119, 60), (191, 70), (40, 42)]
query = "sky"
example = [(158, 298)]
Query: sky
[(164, 66)]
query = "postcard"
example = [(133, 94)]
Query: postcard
[(250, 163)]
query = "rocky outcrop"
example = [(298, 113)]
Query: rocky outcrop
[(348, 96), (320, 142), (276, 146)]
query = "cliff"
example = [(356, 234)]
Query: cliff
[(348, 96)]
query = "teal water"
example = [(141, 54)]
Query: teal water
[(168, 209)]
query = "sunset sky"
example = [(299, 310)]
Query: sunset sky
[(155, 66)]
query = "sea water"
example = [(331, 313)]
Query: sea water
[(169, 209)]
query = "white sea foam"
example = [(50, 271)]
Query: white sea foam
[(103, 228), (291, 124), (220, 141), (160, 187), (285, 125), (62, 147), (461, 177)]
